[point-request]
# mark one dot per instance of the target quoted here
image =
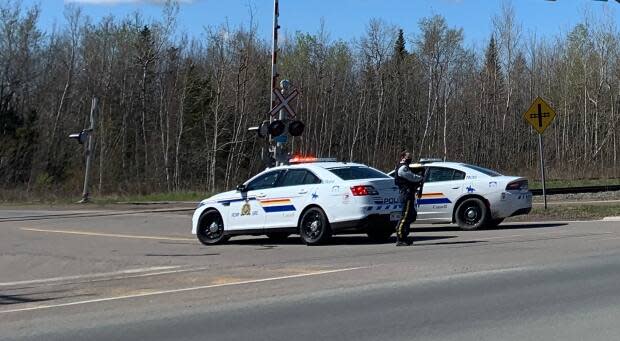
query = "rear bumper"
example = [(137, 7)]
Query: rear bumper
[(363, 224), (521, 211), (507, 204)]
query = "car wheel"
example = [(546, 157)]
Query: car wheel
[(278, 237), (493, 223), (381, 233), (471, 214), (313, 227), (211, 228)]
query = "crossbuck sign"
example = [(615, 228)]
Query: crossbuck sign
[(284, 103)]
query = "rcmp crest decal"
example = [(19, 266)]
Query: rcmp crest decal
[(246, 209)]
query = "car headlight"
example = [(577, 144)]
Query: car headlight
[(200, 204)]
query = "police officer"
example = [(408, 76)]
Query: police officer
[(408, 183)]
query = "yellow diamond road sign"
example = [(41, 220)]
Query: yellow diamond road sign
[(539, 115)]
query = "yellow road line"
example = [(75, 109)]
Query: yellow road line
[(112, 235), (173, 291)]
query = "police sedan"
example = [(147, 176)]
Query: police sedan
[(471, 196), (310, 197)]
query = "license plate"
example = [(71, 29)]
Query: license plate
[(395, 216)]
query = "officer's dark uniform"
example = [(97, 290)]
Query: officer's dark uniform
[(408, 183)]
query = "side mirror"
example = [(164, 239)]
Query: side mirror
[(241, 188)]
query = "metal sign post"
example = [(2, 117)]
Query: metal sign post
[(542, 168), (540, 115)]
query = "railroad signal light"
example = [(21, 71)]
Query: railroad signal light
[(296, 128), (276, 128)]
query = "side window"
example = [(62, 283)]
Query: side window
[(311, 179), (293, 177), (418, 171), (458, 175), (436, 174), (264, 181)]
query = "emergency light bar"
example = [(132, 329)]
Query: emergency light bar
[(310, 159), (429, 160)]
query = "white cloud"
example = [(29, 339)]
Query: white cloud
[(115, 2)]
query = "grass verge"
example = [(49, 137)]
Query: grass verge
[(53, 199), (571, 212), (153, 197), (573, 183)]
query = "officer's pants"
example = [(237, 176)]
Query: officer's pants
[(408, 216)]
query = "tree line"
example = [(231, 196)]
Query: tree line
[(174, 110)]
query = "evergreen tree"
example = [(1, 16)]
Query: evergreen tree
[(400, 52)]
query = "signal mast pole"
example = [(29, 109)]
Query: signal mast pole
[(275, 148)]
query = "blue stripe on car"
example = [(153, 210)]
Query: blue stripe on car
[(434, 201), (283, 208)]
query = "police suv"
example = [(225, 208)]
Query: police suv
[(469, 195), (312, 197)]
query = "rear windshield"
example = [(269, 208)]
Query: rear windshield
[(483, 170), (358, 173)]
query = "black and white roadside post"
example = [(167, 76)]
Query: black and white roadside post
[(540, 115), (86, 136)]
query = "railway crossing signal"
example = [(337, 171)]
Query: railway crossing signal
[(282, 115)]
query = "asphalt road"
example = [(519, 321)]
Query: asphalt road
[(117, 275)]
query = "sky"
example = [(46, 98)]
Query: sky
[(347, 19)]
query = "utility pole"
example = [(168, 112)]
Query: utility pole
[(89, 153)]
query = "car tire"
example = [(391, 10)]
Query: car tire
[(313, 227), (493, 223), (471, 214), (381, 233), (278, 237), (211, 228)]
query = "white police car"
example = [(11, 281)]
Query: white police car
[(469, 195), (313, 199)]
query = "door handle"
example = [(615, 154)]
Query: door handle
[(456, 187), (303, 191), (261, 195)]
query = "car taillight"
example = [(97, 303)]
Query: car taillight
[(517, 185), (363, 190)]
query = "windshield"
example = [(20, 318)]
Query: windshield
[(358, 173), (483, 170)]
